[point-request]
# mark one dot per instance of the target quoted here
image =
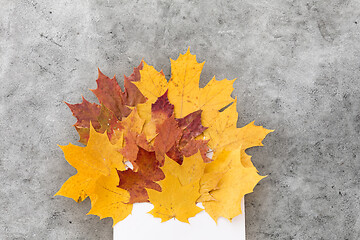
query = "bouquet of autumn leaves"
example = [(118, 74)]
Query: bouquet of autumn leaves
[(169, 143)]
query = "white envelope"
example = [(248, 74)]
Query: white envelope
[(141, 225)]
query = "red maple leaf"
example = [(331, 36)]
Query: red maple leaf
[(176, 137), (187, 145), (168, 134), (148, 173)]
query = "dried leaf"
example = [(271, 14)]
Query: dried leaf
[(215, 96), (134, 141), (168, 134), (109, 200), (148, 172), (234, 184), (224, 135), (161, 110), (110, 94), (190, 171), (133, 122), (152, 83), (91, 162), (84, 113), (187, 145), (180, 190), (133, 126), (184, 84), (132, 95), (110, 124), (113, 108)]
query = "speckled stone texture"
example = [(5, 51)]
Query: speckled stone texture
[(297, 65)]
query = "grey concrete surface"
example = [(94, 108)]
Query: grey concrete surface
[(297, 65)]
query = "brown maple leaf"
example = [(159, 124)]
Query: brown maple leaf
[(148, 173), (110, 94), (132, 95), (84, 113)]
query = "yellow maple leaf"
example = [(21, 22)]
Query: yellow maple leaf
[(91, 162), (184, 84), (189, 171), (149, 128), (184, 91), (213, 173), (233, 185), (152, 83), (107, 200), (251, 136), (183, 88), (180, 190), (215, 96), (133, 122), (224, 135), (175, 200), (209, 182)]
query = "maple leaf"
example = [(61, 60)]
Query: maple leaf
[(184, 84), (110, 94), (168, 134), (134, 141), (133, 126), (224, 135), (186, 96), (187, 145), (132, 95), (155, 114), (176, 137), (133, 122), (190, 171), (235, 182), (184, 91), (212, 175), (97, 177), (209, 182), (152, 83), (114, 104), (109, 200), (109, 124), (215, 96), (162, 109), (84, 113), (180, 189), (148, 172), (91, 162), (183, 88)]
